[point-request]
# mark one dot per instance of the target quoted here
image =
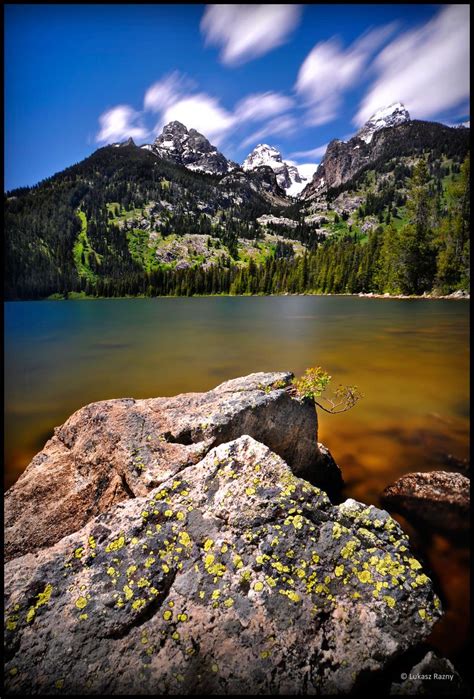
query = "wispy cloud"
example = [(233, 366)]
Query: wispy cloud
[(426, 68), (247, 31), (313, 153), (119, 123), (162, 94), (280, 125), (329, 70), (201, 112), (174, 98), (263, 105)]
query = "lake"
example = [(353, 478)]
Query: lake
[(410, 359)]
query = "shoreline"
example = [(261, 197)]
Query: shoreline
[(455, 296)]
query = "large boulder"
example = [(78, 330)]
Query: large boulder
[(114, 450), (435, 499), (234, 576)]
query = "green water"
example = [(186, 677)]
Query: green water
[(408, 357)]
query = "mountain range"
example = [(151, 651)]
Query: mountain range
[(178, 205)]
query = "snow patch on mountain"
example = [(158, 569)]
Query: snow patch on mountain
[(393, 115), (288, 174)]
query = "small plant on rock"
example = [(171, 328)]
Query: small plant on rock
[(314, 383)]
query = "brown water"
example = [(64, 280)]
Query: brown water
[(408, 357)]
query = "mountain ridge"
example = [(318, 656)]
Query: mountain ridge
[(132, 219)]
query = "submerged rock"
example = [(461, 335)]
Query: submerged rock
[(438, 499), (234, 576), (114, 450)]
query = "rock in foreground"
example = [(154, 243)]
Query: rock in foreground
[(113, 450), (234, 577), (437, 499)]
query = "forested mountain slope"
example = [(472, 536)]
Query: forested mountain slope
[(388, 213)]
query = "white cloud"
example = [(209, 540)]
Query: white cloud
[(426, 68), (166, 91), (313, 153), (329, 70), (200, 112), (307, 170), (247, 31), (262, 105), (280, 125), (120, 123)]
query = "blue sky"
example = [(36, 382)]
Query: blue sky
[(294, 76)]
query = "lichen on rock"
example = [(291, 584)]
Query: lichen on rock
[(232, 576)]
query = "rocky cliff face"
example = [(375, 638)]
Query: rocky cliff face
[(191, 149), (200, 558), (345, 160)]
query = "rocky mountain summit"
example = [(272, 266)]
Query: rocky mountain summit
[(191, 149), (287, 174), (180, 546), (385, 118)]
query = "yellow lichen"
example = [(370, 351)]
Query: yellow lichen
[(238, 563), (81, 602), (184, 539), (116, 545), (128, 592), (414, 564), (364, 576)]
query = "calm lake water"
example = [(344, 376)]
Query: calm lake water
[(408, 357)]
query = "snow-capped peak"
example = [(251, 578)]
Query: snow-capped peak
[(287, 174), (392, 115)]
